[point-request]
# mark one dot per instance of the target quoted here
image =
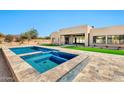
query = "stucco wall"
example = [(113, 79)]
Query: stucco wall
[(56, 37), (73, 30), (83, 29), (114, 30)]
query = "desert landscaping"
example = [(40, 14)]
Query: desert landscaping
[(26, 38)]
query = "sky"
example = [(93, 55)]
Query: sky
[(48, 21)]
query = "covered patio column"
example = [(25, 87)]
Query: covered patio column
[(71, 39), (86, 39), (62, 39), (106, 40)]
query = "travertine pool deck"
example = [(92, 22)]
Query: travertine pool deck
[(100, 67), (103, 68), (23, 72)]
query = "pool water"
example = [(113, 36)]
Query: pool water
[(42, 62), (23, 50)]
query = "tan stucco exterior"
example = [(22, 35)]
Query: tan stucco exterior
[(113, 30), (59, 37), (55, 37), (88, 31), (73, 30)]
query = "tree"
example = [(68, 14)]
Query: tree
[(23, 37), (33, 33), (17, 38), (9, 38), (47, 37), (1, 37)]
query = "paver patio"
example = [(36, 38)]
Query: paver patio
[(101, 67)]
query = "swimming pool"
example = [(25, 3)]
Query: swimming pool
[(43, 62), (23, 50)]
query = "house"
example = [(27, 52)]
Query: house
[(90, 36)]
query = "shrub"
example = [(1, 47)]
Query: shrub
[(9, 38)]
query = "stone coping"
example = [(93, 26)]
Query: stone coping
[(23, 72)]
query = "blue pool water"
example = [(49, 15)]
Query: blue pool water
[(23, 50), (45, 61)]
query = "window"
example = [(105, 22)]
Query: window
[(73, 40), (115, 39), (99, 39), (53, 39), (78, 39), (82, 40), (121, 39)]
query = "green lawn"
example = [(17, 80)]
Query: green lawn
[(49, 45), (118, 52)]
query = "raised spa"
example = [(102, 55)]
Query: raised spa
[(45, 61)]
